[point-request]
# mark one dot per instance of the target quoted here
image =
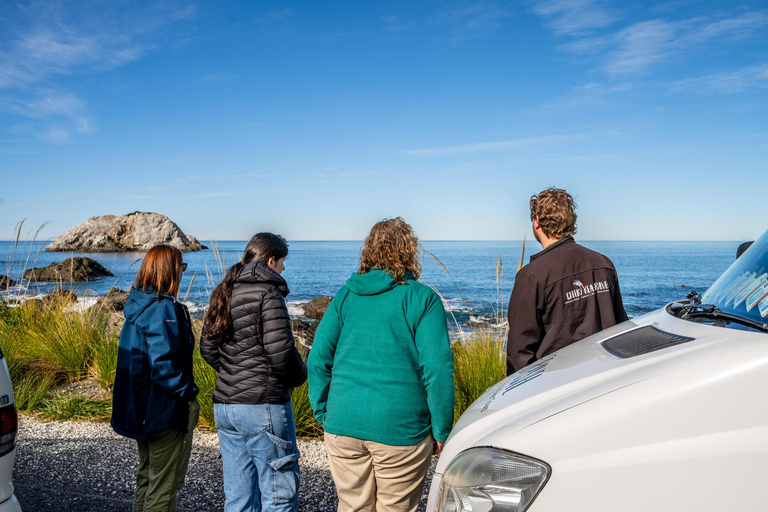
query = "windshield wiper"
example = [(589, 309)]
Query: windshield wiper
[(712, 311)]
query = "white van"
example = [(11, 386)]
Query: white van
[(666, 412), (8, 431)]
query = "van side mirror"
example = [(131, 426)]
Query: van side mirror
[(743, 247)]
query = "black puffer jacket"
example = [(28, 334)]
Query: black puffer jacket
[(257, 362)]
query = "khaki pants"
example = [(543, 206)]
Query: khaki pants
[(163, 461), (375, 477)]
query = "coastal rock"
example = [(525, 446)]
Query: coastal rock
[(61, 296), (114, 299), (69, 270), (315, 309), (138, 231), (304, 331), (6, 282)]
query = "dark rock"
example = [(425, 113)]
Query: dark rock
[(6, 282), (114, 299), (69, 270), (304, 330), (59, 297), (315, 309)]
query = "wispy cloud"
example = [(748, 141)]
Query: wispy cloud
[(506, 145), (45, 40), (639, 48), (470, 19), (574, 17), (735, 81)]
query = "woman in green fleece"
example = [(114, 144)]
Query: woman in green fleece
[(381, 376)]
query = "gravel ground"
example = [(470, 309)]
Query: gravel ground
[(87, 467)]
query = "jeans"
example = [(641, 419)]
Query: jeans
[(260, 457), (163, 462)]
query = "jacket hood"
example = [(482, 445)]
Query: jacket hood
[(138, 301), (373, 282), (258, 272)]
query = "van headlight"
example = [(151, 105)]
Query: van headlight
[(490, 480)]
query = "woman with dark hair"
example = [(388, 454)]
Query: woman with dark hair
[(153, 399), (381, 376), (247, 339)]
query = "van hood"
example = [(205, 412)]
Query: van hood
[(579, 373)]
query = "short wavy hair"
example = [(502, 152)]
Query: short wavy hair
[(160, 271), (392, 246), (556, 211)]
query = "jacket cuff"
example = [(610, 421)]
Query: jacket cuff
[(191, 393)]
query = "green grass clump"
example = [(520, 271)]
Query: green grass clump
[(103, 363), (205, 378), (76, 408), (306, 424), (31, 389), (46, 344), (479, 363)]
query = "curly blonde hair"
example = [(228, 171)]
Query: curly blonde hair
[(556, 212), (392, 246)]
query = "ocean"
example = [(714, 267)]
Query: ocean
[(651, 274)]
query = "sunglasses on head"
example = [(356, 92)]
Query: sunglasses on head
[(183, 267)]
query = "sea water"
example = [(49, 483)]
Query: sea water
[(651, 274)]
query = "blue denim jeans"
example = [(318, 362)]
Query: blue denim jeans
[(260, 457)]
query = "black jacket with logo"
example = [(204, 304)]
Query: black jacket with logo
[(567, 292), (257, 361)]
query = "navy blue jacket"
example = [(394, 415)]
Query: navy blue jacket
[(153, 380)]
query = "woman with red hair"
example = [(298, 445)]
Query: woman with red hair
[(154, 393)]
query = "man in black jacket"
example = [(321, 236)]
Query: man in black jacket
[(567, 292)]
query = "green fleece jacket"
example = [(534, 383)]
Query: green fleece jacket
[(381, 366)]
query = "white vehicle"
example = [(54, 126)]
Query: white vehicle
[(8, 430), (666, 412)]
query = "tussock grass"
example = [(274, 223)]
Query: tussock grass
[(205, 378), (31, 388), (49, 344), (306, 424), (479, 363), (76, 408)]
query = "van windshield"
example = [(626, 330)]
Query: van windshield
[(743, 289)]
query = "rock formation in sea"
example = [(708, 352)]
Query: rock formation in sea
[(69, 270), (6, 282), (60, 296), (315, 309), (114, 299), (138, 231)]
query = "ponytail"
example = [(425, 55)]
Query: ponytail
[(217, 319)]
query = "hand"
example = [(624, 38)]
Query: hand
[(437, 447)]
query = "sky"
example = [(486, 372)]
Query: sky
[(317, 119)]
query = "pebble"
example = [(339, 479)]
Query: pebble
[(87, 467)]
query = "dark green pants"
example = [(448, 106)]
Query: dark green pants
[(163, 461)]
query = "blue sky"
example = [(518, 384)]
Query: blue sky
[(316, 119)]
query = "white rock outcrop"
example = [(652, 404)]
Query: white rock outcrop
[(138, 231)]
